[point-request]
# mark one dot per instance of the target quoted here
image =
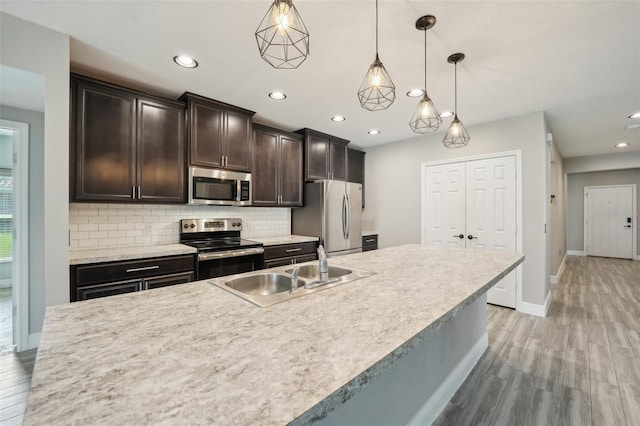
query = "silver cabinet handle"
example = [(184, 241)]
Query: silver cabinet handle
[(230, 253), (139, 196), (146, 268), (133, 192), (369, 241), (293, 249)]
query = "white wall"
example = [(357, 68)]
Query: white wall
[(35, 120), (575, 189), (593, 163), (557, 211), (41, 51), (393, 196)]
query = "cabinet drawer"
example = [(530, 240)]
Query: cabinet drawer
[(289, 250), (168, 280), (120, 271)]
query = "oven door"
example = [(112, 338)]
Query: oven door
[(229, 262)]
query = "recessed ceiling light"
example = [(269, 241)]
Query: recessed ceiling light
[(278, 96), (415, 93), (338, 118), (622, 144), (374, 132), (446, 114), (185, 61), (635, 115)]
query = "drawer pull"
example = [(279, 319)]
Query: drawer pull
[(146, 268), (370, 241), (293, 249)]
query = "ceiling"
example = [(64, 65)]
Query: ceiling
[(579, 61)]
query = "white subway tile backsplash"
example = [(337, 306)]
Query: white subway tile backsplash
[(113, 225)]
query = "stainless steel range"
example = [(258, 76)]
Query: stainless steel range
[(221, 251)]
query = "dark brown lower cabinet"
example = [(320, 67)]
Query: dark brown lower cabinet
[(370, 242), (289, 254), (111, 278)]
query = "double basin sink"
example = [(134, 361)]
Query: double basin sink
[(271, 286)]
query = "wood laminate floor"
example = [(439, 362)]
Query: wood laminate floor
[(578, 366)]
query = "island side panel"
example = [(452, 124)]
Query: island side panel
[(415, 389)]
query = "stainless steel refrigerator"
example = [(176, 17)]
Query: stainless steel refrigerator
[(333, 212)]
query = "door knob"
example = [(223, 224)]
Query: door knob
[(461, 236), (471, 237)]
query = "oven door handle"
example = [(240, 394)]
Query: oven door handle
[(230, 253)]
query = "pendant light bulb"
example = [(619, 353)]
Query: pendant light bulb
[(283, 39), (377, 91), (456, 136), (426, 118)]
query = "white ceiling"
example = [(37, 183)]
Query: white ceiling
[(579, 61)]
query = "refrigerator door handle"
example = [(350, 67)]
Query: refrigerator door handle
[(348, 228), (344, 216)]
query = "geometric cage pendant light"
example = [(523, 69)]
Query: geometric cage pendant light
[(456, 136), (283, 39), (426, 118), (377, 91)]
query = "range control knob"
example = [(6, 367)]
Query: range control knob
[(186, 226), (193, 225)]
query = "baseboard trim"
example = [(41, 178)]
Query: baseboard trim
[(34, 340), (576, 253), (637, 257), (533, 309), (555, 279), (441, 397)]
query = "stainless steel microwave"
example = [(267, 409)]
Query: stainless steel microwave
[(219, 187)]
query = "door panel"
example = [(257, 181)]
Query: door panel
[(238, 141), (205, 134), (445, 204), (290, 171), (608, 232), (334, 193), (265, 168), (491, 216), (354, 191), (477, 199)]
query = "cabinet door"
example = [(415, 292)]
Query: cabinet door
[(317, 158), (206, 124), (110, 289), (278, 262), (338, 159), (168, 280), (104, 144), (265, 168), (290, 171), (161, 166), (355, 168), (237, 141)]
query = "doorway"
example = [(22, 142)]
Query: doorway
[(474, 204), (609, 221), (14, 208)]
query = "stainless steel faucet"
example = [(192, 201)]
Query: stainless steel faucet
[(294, 280), (323, 267)]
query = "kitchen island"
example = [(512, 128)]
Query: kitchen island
[(195, 354)]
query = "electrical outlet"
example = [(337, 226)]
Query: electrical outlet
[(148, 229)]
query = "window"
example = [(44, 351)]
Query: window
[(6, 213)]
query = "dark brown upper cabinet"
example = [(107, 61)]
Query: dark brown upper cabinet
[(277, 167), (355, 168), (218, 134), (325, 156), (125, 145)]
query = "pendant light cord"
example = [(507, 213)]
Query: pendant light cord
[(455, 85), (425, 61), (376, 27)]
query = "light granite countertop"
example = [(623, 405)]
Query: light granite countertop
[(284, 239), (195, 354), (79, 257)]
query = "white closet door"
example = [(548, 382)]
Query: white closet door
[(445, 205), (491, 216), (608, 233)]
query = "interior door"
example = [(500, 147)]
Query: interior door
[(445, 205), (491, 216), (609, 221)]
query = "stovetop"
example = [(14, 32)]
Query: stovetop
[(219, 244)]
